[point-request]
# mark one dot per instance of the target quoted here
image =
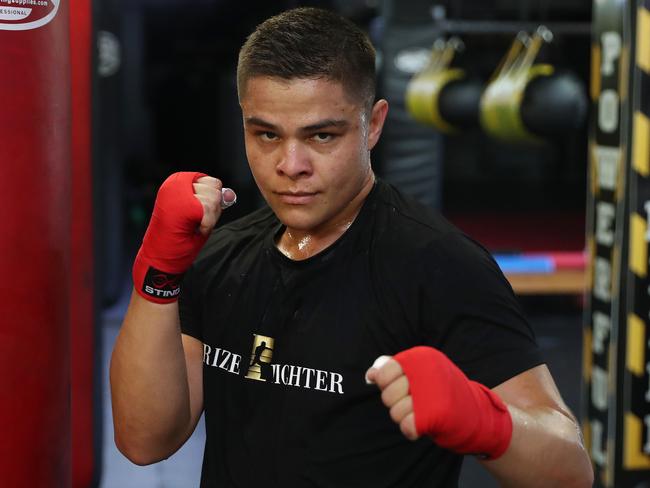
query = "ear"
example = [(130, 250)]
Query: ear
[(377, 118)]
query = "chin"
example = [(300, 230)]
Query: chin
[(298, 219), (304, 225)]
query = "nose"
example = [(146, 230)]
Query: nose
[(295, 161)]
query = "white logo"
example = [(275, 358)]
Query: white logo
[(109, 54), (412, 60), (27, 14)]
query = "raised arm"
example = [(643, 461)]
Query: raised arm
[(156, 371)]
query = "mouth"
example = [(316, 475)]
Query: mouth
[(296, 197)]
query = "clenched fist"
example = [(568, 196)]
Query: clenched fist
[(214, 198), (388, 375), (427, 393), (187, 208)]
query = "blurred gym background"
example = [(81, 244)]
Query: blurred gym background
[(490, 121)]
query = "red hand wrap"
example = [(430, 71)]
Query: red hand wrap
[(172, 240), (458, 414)]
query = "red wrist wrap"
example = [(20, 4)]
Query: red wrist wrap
[(458, 414), (172, 240)]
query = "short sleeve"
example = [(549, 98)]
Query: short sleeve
[(472, 314), (189, 309)]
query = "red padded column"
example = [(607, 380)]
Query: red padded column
[(81, 267), (34, 248)]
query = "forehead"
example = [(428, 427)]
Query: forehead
[(297, 98)]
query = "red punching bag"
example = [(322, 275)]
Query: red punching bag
[(82, 339), (34, 244)]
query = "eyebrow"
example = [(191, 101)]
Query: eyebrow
[(326, 124), (323, 124), (261, 123)]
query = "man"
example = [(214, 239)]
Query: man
[(338, 270)]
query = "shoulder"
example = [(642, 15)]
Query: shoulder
[(407, 215), (415, 247), (408, 230)]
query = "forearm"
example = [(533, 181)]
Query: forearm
[(545, 451), (149, 385)]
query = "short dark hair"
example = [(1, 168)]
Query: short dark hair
[(310, 43)]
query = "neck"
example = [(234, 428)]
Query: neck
[(298, 244)]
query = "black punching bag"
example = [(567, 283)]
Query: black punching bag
[(410, 153)]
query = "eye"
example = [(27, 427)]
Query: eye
[(323, 137), (268, 136)]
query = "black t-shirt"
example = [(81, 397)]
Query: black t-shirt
[(287, 343)]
